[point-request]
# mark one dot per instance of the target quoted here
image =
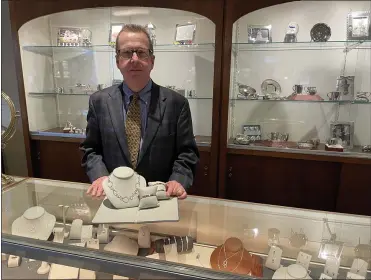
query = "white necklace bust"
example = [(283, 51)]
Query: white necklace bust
[(34, 223), (121, 187)]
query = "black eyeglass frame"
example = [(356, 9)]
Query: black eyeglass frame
[(150, 52)]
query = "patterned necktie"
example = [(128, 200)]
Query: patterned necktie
[(133, 128)]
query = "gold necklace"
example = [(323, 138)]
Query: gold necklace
[(225, 262)]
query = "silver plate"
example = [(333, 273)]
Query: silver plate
[(270, 87)]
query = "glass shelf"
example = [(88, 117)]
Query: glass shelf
[(88, 94), (51, 50), (281, 46), (303, 101)]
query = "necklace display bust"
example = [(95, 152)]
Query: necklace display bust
[(34, 223), (294, 271), (121, 187), (233, 257)]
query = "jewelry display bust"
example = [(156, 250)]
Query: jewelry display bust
[(121, 187), (34, 223), (232, 257)]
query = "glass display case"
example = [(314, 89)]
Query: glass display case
[(72, 55), (300, 79), (52, 223)]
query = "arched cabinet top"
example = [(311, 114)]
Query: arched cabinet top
[(22, 11)]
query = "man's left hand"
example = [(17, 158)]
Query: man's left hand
[(173, 188)]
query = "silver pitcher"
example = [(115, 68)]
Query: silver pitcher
[(345, 85)]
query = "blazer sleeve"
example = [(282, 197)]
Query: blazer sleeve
[(91, 147), (187, 155)]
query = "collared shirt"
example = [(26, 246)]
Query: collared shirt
[(144, 98)]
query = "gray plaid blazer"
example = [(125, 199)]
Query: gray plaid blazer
[(169, 150)]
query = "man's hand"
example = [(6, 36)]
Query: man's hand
[(173, 188), (96, 189)]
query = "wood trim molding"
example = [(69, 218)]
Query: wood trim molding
[(312, 157)]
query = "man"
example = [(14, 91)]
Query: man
[(139, 124)]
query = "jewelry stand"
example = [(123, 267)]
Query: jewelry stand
[(123, 245), (35, 223), (274, 258), (89, 274), (86, 233), (14, 261), (232, 257), (75, 230), (121, 187), (332, 268), (304, 260), (144, 237), (359, 267), (103, 233)]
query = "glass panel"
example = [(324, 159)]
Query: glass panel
[(304, 95), (72, 56), (238, 240)]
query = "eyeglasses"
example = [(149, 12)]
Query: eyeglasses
[(128, 53)]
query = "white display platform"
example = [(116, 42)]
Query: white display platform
[(168, 211), (199, 256)]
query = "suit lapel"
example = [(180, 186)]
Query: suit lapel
[(115, 109), (155, 114)]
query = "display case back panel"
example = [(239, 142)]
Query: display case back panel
[(61, 74), (306, 64)]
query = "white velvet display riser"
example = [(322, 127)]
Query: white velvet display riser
[(167, 211), (100, 68)]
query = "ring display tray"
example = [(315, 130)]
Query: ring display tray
[(167, 211)]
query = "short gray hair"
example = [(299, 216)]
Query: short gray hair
[(136, 28)]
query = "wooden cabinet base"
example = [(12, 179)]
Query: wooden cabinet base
[(309, 184)]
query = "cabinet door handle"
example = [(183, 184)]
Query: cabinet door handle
[(205, 173), (230, 169), (206, 167), (230, 175)]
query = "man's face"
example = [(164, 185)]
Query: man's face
[(136, 70)]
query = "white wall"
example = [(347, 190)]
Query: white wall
[(318, 68), (187, 70)]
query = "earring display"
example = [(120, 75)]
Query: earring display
[(35, 223), (86, 233), (43, 269), (14, 261), (232, 257), (324, 276), (359, 267), (351, 275), (298, 239), (144, 237), (332, 267), (273, 260), (358, 26), (303, 259), (103, 233), (363, 251), (185, 34), (75, 230)]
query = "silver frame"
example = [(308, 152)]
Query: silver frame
[(351, 132), (361, 15), (113, 44), (252, 38), (185, 42), (60, 42)]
